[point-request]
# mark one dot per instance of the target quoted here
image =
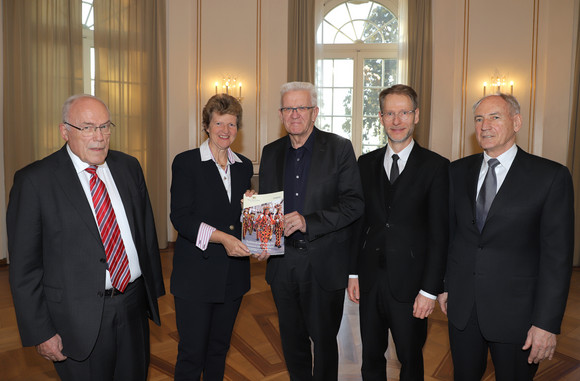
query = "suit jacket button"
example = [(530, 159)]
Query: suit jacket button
[(103, 260), (232, 227), (388, 225), (100, 294)]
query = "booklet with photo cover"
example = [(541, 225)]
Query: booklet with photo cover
[(263, 223)]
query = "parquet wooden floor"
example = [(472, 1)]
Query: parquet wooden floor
[(256, 352)]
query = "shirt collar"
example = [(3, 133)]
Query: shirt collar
[(309, 144), (505, 159), (404, 153), (206, 154), (80, 165)]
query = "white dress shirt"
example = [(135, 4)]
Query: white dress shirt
[(104, 174), (205, 231), (501, 170)]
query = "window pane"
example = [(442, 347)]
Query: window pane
[(342, 102), (325, 101), (378, 74), (342, 126), (362, 23), (324, 123), (335, 95), (360, 11), (373, 135), (350, 22), (343, 73), (324, 75)]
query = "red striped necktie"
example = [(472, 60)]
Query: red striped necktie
[(110, 233)]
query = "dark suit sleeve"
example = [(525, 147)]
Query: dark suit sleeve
[(183, 192), (557, 247), (349, 205), (25, 238), (438, 230), (153, 255)]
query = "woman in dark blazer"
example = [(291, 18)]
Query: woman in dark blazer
[(211, 268)]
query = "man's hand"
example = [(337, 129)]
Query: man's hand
[(248, 193), (423, 306), (543, 344), (51, 349), (442, 299), (262, 256), (293, 222), (353, 290)]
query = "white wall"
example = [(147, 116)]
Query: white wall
[(208, 39), (532, 42)]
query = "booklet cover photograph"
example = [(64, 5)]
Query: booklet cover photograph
[(263, 223)]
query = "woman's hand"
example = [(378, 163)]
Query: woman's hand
[(234, 247)]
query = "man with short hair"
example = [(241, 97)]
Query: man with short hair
[(510, 252), (85, 270), (401, 241), (322, 198)]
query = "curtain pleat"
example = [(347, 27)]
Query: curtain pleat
[(131, 79), (420, 61), (42, 68), (301, 40), (574, 149)]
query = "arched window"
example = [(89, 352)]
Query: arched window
[(358, 45)]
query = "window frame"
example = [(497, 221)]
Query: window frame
[(358, 52)]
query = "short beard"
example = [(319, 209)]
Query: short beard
[(409, 134)]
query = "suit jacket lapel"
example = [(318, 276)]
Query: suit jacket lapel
[(317, 167), (407, 177), (380, 180), (510, 183), (122, 177), (67, 177), (279, 164), (471, 181)]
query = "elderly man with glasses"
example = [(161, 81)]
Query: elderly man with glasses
[(323, 197), (85, 270)]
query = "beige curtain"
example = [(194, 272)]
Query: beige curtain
[(301, 40), (421, 62), (574, 149), (42, 68), (130, 78)]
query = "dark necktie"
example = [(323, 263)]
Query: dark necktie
[(110, 233), (394, 169), (486, 194)]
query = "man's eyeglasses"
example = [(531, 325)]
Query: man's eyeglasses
[(105, 129), (402, 115), (301, 109)]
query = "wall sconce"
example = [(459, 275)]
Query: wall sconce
[(498, 84), (230, 86)]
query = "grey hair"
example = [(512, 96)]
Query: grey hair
[(72, 99), (512, 102), (299, 86)]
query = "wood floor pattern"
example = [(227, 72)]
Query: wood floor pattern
[(256, 350)]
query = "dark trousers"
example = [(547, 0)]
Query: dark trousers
[(306, 312), (205, 331), (469, 352), (379, 312), (122, 348)]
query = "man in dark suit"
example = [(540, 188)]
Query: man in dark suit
[(401, 243), (85, 276), (323, 197), (510, 254)]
